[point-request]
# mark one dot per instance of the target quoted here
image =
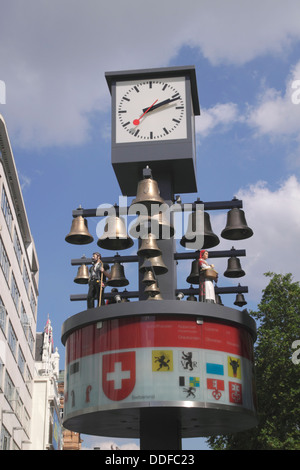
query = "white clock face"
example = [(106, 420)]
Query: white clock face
[(151, 110)]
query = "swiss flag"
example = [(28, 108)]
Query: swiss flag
[(118, 374)]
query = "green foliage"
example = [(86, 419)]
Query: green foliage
[(277, 376)]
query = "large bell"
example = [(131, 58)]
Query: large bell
[(195, 231), (118, 278), (210, 238), (115, 236), (153, 289), (148, 193), (234, 268), (236, 226), (193, 277), (240, 300), (157, 263), (159, 225), (82, 275), (148, 277), (79, 233), (149, 247)]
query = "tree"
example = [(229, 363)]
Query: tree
[(277, 372)]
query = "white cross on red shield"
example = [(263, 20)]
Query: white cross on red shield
[(118, 374)]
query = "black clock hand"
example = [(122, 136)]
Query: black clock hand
[(162, 103)]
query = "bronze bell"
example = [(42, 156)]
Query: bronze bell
[(193, 278), (157, 264), (82, 275), (148, 277), (79, 233), (148, 193), (118, 278), (153, 289), (158, 225), (115, 236), (234, 268), (236, 226), (155, 297), (240, 300), (210, 238), (218, 300), (149, 247), (195, 229), (191, 298)]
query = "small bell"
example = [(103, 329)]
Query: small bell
[(118, 278), (218, 299), (79, 233), (82, 275), (234, 268), (148, 277), (191, 298), (193, 278), (240, 300), (236, 226), (149, 247), (157, 264), (148, 193), (115, 236), (153, 289), (155, 297)]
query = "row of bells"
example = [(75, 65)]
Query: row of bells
[(118, 279), (115, 236), (239, 299), (234, 270)]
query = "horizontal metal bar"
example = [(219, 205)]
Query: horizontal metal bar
[(212, 254), (135, 294), (177, 256), (217, 205)]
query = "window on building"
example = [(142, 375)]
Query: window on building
[(21, 361), (12, 339), (5, 439), (3, 315), (4, 262), (6, 210), (32, 303), (8, 388), (1, 374), (17, 247), (15, 293), (25, 277)]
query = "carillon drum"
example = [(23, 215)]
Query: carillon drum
[(194, 359)]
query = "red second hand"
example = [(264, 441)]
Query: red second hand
[(137, 121)]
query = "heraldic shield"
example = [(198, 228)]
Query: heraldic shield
[(118, 374)]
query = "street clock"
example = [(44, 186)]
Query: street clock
[(153, 114)]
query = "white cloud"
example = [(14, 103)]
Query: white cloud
[(274, 217), (276, 113), (220, 116), (54, 54)]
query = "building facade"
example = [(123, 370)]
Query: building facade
[(46, 429), (19, 278)]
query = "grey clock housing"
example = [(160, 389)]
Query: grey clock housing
[(174, 157)]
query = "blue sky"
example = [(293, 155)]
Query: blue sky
[(53, 57)]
